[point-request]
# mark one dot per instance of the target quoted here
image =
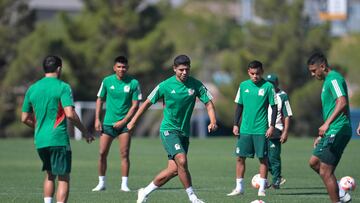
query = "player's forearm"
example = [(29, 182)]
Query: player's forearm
[(286, 124), (134, 107), (143, 107), (340, 105), (28, 119), (273, 115), (98, 108), (211, 111), (74, 118), (238, 112)]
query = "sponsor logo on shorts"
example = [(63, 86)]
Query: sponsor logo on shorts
[(237, 149), (272, 146), (177, 147)]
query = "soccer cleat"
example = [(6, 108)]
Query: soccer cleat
[(345, 198), (141, 196), (261, 193), (282, 181), (125, 189), (235, 192), (197, 201), (99, 187)]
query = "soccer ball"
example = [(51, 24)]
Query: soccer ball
[(347, 183), (258, 201), (255, 181)]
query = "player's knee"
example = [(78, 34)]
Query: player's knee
[(124, 154)]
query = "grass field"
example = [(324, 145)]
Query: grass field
[(211, 163)]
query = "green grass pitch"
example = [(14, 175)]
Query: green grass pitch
[(211, 163)]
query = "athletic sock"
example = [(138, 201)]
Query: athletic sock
[(190, 193), (102, 180), (239, 184), (151, 187), (262, 182), (47, 199), (124, 181)]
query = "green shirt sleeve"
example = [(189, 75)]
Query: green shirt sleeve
[(102, 91), (66, 97), (156, 94), (272, 95), (27, 107), (136, 91), (285, 108), (238, 98), (337, 88), (203, 93)]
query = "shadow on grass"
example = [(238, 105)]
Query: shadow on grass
[(303, 188), (171, 188), (302, 193)]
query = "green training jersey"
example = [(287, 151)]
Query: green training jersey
[(284, 110), (334, 87), (119, 95), (179, 101), (255, 99), (46, 99)]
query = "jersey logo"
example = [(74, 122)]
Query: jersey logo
[(126, 88), (261, 92), (173, 92), (166, 133), (177, 147), (247, 90), (237, 150), (112, 87), (191, 91)]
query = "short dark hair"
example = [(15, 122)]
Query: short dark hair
[(121, 59), (255, 64), (51, 63), (317, 58), (182, 60)]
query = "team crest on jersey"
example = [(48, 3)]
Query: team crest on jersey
[(191, 91), (126, 88), (177, 147), (261, 92)]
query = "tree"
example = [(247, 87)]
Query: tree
[(16, 21)]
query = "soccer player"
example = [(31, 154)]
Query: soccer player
[(253, 99), (47, 104), (122, 95), (335, 132), (280, 135), (179, 94)]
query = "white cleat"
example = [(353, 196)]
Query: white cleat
[(197, 201), (141, 196), (99, 187), (345, 198), (282, 181), (261, 193), (125, 189), (235, 192)]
